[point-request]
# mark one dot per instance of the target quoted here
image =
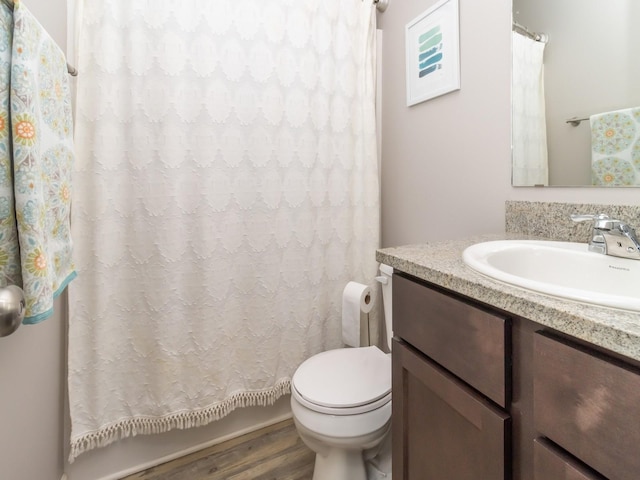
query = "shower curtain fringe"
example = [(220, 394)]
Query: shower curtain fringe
[(182, 420)]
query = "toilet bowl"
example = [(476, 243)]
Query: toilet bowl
[(341, 403)]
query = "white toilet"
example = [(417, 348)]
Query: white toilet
[(341, 403)]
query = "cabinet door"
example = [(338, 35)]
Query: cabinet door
[(442, 429)]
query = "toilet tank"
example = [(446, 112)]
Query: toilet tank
[(386, 279)]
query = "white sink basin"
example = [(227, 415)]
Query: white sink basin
[(561, 269)]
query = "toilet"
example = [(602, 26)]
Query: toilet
[(341, 403)]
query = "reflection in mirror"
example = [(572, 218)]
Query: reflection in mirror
[(575, 93)]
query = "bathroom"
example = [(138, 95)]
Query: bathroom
[(459, 189)]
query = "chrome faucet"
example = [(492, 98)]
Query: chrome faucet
[(611, 237)]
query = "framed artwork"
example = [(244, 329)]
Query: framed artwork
[(432, 45)]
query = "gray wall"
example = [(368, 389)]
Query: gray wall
[(32, 370), (446, 163), (443, 160), (32, 360)]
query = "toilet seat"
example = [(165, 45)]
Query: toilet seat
[(345, 381), (340, 410)]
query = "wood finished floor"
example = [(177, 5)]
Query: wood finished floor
[(272, 453)]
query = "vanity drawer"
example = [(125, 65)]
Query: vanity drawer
[(469, 342), (589, 405), (551, 463)]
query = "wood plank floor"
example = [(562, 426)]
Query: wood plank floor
[(272, 453)]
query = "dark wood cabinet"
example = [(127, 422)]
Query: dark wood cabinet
[(451, 379), (481, 394)]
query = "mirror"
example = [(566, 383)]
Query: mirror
[(590, 68)]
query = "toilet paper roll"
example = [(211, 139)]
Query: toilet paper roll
[(356, 298)]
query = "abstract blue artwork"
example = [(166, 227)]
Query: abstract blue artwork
[(432, 53)]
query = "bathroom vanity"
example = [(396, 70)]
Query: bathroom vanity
[(494, 382)]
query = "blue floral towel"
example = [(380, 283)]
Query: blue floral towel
[(615, 147), (10, 272), (41, 133)]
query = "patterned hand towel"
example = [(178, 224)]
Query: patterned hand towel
[(10, 273), (42, 138), (615, 147)]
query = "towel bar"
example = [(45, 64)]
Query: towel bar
[(576, 121)]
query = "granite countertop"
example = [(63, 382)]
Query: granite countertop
[(441, 263)]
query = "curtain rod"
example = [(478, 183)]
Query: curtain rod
[(538, 37)]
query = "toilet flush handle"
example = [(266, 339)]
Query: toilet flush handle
[(383, 280)]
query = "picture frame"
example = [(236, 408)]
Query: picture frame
[(432, 47)]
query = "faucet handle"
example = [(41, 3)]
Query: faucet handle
[(577, 217), (601, 220), (602, 223), (629, 233)]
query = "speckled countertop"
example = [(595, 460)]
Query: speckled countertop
[(441, 263)]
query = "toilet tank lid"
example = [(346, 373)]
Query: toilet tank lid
[(386, 269), (346, 377)]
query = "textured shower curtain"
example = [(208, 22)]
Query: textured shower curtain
[(226, 191), (529, 124)]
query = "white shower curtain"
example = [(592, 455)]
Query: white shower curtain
[(529, 125), (226, 191)]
